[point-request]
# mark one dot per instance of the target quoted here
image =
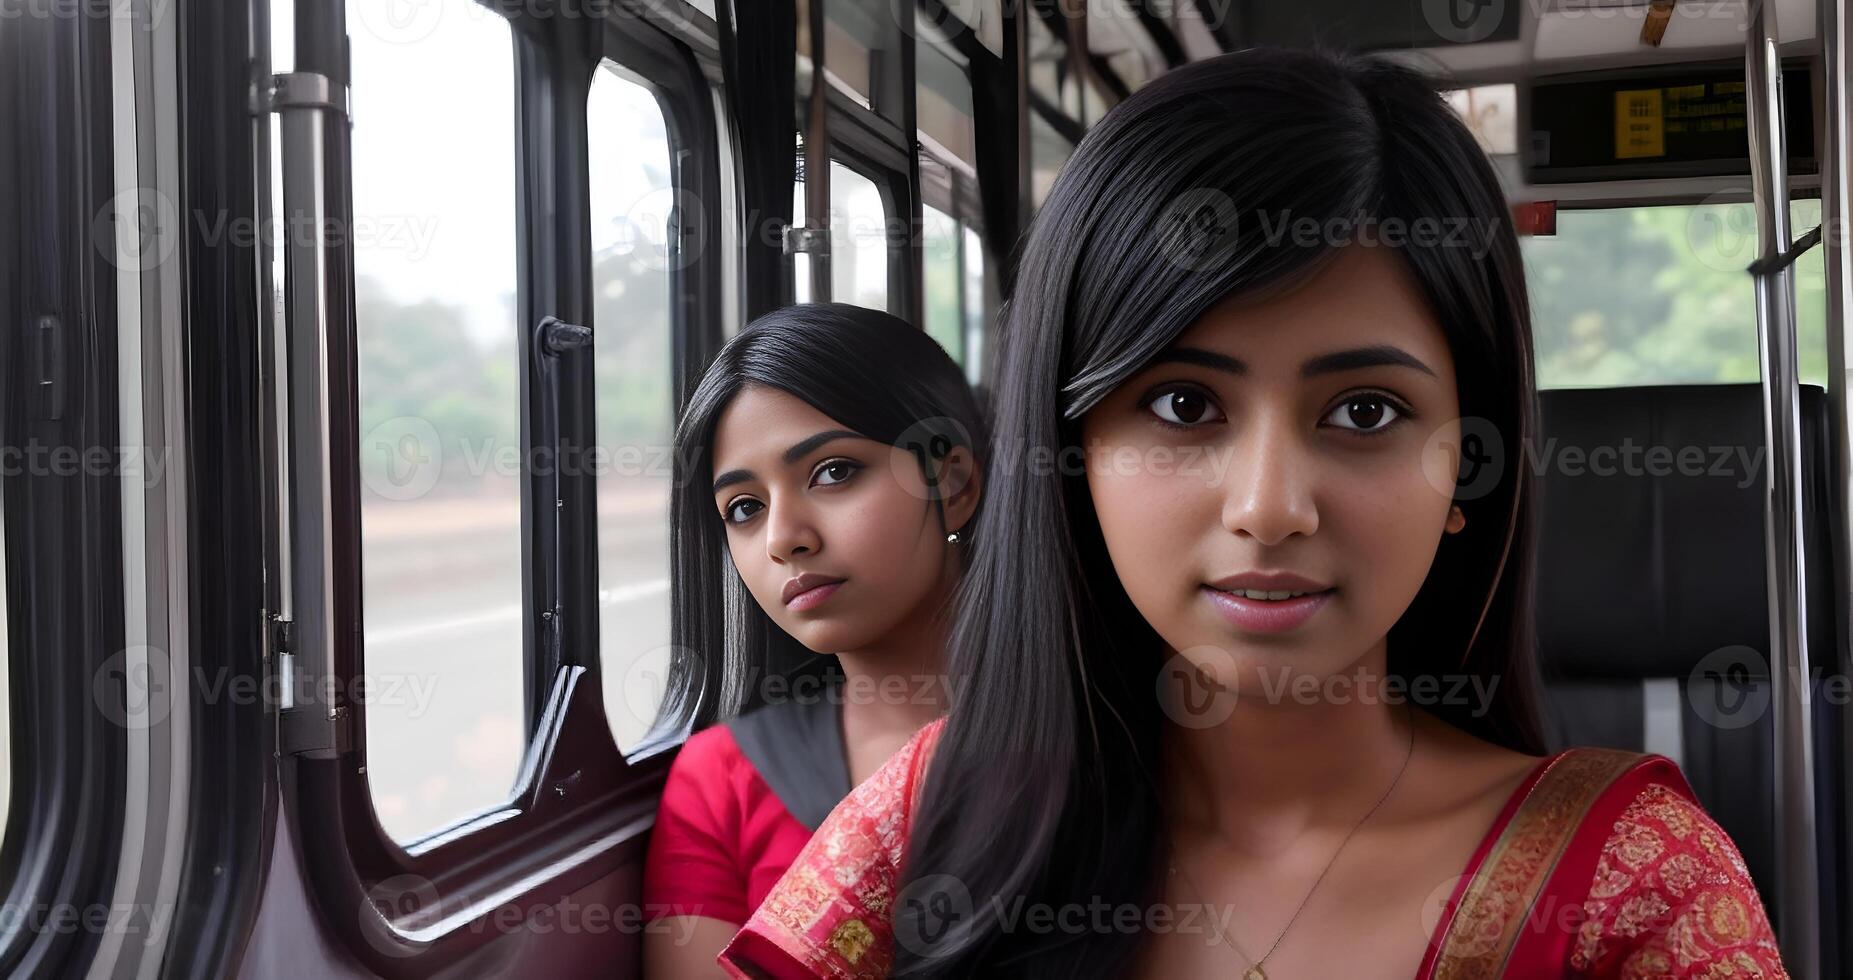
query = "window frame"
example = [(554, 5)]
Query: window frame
[(232, 818), (64, 555), (580, 810), (868, 143)]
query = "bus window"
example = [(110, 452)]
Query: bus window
[(858, 241), (631, 185), (1810, 295), (953, 256), (440, 418), (940, 244), (1659, 295), (977, 304)]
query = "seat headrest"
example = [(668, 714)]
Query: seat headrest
[(1650, 525)]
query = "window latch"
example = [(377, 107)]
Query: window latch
[(559, 338)]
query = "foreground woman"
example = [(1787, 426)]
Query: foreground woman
[(1249, 682), (825, 487)]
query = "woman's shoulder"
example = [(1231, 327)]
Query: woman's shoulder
[(1670, 894), (707, 754), (830, 913)]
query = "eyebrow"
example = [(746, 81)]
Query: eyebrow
[(1381, 355), (798, 451)]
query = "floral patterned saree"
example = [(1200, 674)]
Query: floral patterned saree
[(1600, 865)]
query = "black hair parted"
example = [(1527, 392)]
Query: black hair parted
[(1042, 788), (873, 373)]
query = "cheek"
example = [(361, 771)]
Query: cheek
[(1151, 523), (885, 538), (1388, 525), (873, 533)]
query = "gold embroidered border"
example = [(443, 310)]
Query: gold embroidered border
[(1498, 900)]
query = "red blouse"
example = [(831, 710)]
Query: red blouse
[(722, 837)]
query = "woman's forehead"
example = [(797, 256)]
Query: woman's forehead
[(1363, 297)]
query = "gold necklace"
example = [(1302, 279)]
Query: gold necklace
[(1255, 970)]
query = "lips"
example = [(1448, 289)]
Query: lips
[(1267, 602), (1268, 582), (808, 589)]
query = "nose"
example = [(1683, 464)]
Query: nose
[(1271, 480), (790, 532)]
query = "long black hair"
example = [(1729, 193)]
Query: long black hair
[(1042, 789), (873, 373)]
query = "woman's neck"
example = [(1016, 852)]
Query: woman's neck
[(899, 682), (1284, 762)]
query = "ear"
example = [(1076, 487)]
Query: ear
[(961, 486), (1456, 519)]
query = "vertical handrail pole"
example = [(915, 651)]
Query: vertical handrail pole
[(1837, 261), (1798, 906)]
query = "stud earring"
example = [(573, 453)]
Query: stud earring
[(952, 538)]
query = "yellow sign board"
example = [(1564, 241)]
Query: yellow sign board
[(1640, 124)]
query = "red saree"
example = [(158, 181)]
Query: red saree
[(1601, 865)]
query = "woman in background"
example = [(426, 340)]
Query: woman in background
[(1191, 737), (826, 478)]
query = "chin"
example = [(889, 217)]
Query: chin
[(824, 636)]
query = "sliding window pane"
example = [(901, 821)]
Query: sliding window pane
[(440, 420), (859, 240), (977, 305), (945, 320), (631, 189)]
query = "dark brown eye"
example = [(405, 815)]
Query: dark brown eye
[(1364, 413), (1184, 406), (833, 472), (741, 509)]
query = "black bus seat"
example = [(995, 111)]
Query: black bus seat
[(1653, 621)]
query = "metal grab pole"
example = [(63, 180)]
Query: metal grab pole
[(305, 101), (1798, 905), (1837, 262)]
